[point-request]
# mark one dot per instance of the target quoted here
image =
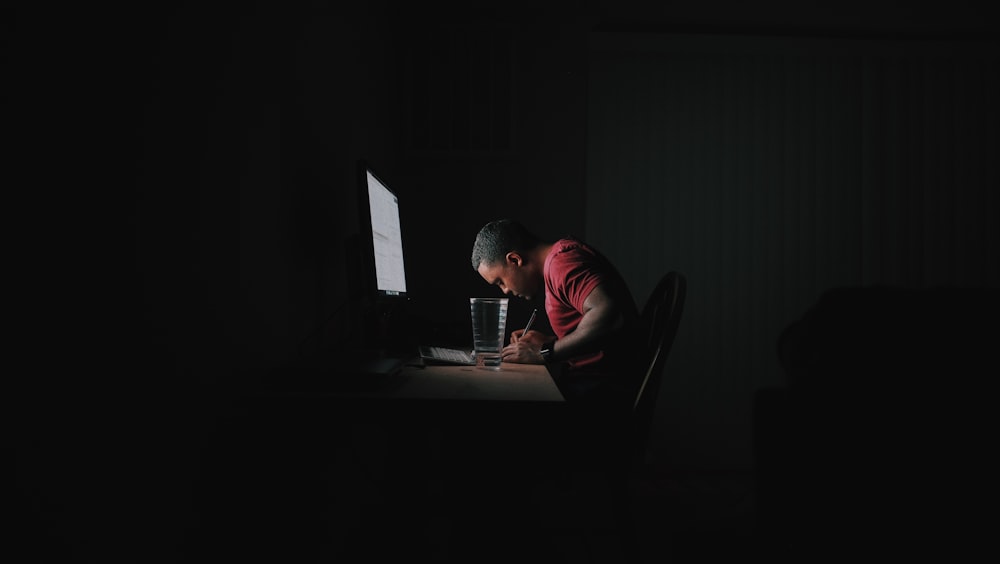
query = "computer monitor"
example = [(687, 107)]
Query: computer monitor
[(383, 263), (382, 316)]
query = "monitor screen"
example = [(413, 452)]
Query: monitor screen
[(380, 225)]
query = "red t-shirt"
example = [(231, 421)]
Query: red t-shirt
[(572, 270)]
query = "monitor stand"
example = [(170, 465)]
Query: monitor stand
[(380, 344), (386, 351)]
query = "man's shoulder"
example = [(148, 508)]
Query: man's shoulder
[(568, 245)]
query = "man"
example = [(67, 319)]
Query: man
[(594, 351)]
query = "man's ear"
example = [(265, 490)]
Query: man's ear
[(514, 258)]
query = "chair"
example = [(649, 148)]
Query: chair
[(661, 316), (607, 485)]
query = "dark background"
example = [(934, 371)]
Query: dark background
[(182, 183)]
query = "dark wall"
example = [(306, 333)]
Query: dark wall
[(531, 79), (185, 181)]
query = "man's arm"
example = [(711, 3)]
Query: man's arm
[(603, 316)]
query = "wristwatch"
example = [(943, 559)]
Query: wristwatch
[(547, 351)]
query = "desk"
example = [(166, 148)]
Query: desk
[(376, 458)]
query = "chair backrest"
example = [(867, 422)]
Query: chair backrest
[(660, 318)]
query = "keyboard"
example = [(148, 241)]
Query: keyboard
[(446, 355)]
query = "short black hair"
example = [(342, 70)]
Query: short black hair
[(499, 237)]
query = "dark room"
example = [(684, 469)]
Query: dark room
[(796, 215)]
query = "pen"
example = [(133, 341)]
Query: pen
[(531, 320)]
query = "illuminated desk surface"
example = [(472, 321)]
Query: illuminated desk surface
[(511, 383)]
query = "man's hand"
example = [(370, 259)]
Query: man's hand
[(523, 351), (536, 338)]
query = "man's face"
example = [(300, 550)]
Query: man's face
[(512, 276)]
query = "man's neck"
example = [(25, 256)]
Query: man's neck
[(542, 251)]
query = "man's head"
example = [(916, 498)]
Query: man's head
[(505, 255)]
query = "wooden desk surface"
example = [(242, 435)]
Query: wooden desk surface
[(415, 381), (513, 382)]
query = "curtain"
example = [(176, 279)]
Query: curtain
[(770, 169)]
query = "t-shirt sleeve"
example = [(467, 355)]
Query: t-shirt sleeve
[(580, 273)]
